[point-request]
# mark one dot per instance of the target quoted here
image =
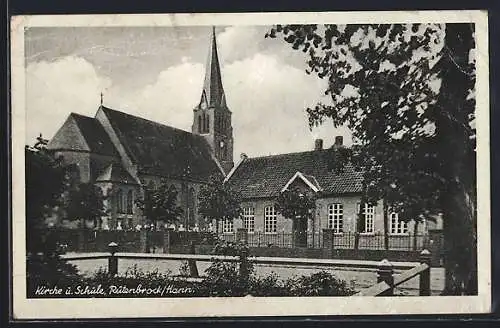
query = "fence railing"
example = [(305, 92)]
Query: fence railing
[(387, 280), (346, 240), (386, 277)]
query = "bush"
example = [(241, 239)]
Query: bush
[(239, 279), (44, 266), (221, 279), (322, 283), (228, 278)]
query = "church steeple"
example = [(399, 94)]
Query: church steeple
[(212, 117), (213, 91)]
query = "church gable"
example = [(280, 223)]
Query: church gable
[(69, 137), (83, 133)]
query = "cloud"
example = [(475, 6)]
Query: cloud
[(267, 97), (54, 89), (169, 100), (239, 42)]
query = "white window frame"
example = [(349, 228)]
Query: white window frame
[(369, 214), (270, 220), (227, 226), (336, 217), (249, 219), (396, 226)]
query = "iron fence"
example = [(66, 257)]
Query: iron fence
[(346, 240)]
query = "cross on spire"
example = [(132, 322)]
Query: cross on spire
[(101, 98)]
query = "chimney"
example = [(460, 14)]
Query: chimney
[(339, 141), (318, 144)]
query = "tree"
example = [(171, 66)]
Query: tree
[(85, 202), (218, 202), (297, 206), (406, 92), (47, 179), (160, 204)]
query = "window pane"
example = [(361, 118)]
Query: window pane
[(270, 219)]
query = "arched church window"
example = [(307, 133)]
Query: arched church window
[(199, 124), (119, 201), (130, 201), (208, 123)]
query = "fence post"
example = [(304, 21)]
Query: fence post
[(385, 273), (328, 242), (193, 269), (81, 240), (425, 276), (242, 235), (166, 241), (143, 241), (113, 260)]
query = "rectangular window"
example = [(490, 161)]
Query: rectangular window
[(249, 219), (369, 215), (227, 226), (397, 226), (270, 219), (336, 217)]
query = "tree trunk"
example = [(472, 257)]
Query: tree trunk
[(460, 245), (458, 163)]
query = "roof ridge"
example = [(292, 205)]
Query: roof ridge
[(80, 115), (288, 154), (147, 120)]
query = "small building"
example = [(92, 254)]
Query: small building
[(259, 181)]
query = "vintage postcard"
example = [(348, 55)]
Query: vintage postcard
[(264, 164)]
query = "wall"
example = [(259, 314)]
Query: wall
[(320, 221), (80, 159)]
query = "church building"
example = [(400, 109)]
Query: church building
[(124, 154)]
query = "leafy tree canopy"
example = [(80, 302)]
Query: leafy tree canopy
[(293, 203), (217, 201), (161, 203), (383, 83), (407, 94), (85, 201)]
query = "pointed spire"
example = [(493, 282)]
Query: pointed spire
[(213, 91)]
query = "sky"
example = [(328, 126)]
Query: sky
[(157, 73)]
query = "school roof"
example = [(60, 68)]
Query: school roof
[(263, 177)]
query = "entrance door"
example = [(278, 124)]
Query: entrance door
[(299, 228)]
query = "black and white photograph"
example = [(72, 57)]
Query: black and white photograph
[(250, 164)]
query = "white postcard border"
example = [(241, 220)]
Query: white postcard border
[(24, 308)]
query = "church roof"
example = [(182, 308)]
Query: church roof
[(95, 139), (162, 150), (263, 177), (213, 91), (115, 173)]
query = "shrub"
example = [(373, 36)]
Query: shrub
[(321, 283), (228, 278)]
